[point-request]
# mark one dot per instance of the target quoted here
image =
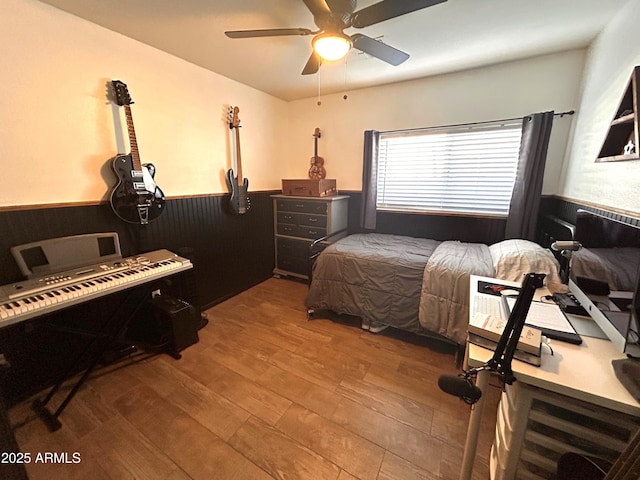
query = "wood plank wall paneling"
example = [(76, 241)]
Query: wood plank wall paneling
[(566, 210), (230, 253), (438, 227)]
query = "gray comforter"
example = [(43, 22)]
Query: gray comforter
[(377, 277), (444, 297)]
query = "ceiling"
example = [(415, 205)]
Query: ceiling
[(452, 36)]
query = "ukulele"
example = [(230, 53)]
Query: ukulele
[(239, 201), (136, 198), (317, 163)]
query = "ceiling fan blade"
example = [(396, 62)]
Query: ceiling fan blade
[(317, 7), (313, 64), (388, 9), (342, 7), (269, 32), (378, 49)]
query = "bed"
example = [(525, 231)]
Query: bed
[(414, 284)]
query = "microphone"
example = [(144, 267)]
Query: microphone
[(570, 245), (461, 387)]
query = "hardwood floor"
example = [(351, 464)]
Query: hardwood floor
[(267, 394)]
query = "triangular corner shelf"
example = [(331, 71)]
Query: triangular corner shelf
[(621, 142)]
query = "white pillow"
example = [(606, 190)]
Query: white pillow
[(514, 258)]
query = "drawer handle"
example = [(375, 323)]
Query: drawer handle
[(299, 205), (313, 220)]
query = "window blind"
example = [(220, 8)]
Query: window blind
[(469, 169)]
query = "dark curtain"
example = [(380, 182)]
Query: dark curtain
[(525, 201), (369, 180)]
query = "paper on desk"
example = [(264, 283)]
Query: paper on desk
[(546, 315)]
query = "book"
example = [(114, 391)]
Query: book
[(491, 328), (550, 320), (527, 357)]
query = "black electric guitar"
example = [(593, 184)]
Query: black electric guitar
[(136, 198), (239, 202)]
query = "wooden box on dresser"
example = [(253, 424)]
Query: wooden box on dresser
[(298, 221)]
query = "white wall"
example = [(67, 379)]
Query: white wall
[(57, 129), (513, 89), (608, 67)]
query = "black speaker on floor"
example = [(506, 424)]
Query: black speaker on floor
[(167, 324)]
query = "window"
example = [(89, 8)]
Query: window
[(467, 169)]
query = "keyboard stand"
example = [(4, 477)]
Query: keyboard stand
[(118, 323)]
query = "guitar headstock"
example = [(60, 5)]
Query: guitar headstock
[(121, 93), (234, 121), (316, 133)]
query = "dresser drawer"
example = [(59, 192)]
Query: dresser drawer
[(293, 264), (289, 229), (302, 219), (303, 231), (288, 247), (311, 232), (304, 206)]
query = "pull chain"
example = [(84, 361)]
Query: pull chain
[(319, 70), (345, 78)]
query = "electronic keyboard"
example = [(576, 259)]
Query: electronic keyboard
[(55, 291)]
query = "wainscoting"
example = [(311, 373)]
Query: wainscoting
[(566, 210), (438, 227), (230, 253)]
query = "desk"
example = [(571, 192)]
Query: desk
[(576, 381)]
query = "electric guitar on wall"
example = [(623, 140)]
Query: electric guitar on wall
[(237, 184), (136, 198)]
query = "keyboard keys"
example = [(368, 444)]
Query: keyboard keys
[(16, 307)]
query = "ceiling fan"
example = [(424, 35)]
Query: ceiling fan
[(332, 17)]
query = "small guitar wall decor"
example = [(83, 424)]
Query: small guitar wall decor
[(239, 202), (317, 170), (136, 198)]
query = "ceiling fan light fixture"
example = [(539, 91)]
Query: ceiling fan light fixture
[(331, 46)]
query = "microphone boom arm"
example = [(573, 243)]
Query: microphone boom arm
[(500, 363), (502, 357), (506, 348)]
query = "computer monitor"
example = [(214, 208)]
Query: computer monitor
[(611, 258)]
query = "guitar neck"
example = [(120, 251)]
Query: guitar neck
[(316, 136), (238, 159), (133, 143)]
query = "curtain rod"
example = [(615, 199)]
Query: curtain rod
[(561, 114)]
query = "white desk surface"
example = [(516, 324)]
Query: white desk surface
[(579, 371)]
